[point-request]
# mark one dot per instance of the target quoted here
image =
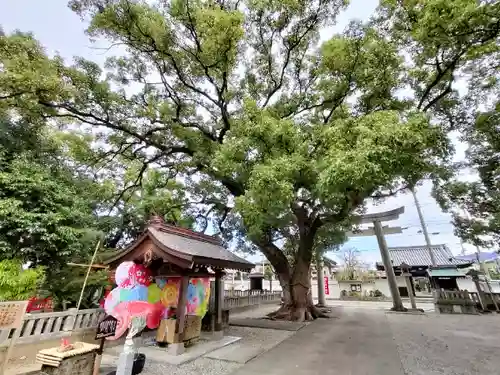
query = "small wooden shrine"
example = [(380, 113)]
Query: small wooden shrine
[(172, 252)]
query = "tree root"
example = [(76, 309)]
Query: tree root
[(320, 312), (299, 314)]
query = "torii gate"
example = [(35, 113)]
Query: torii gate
[(379, 231)]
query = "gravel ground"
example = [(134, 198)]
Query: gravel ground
[(257, 312), (251, 337), (200, 366), (447, 344), (259, 337)]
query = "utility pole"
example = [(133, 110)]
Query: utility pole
[(424, 227)]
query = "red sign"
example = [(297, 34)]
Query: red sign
[(327, 287), (39, 305)]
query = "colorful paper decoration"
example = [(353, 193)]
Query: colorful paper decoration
[(138, 293), (138, 274), (122, 273), (170, 294), (161, 282), (154, 293), (112, 299), (136, 296)]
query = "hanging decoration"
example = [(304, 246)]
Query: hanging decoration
[(137, 296)]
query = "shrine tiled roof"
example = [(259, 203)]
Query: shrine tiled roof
[(419, 256), (203, 249), (187, 246)]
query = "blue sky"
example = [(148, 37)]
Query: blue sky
[(61, 30)]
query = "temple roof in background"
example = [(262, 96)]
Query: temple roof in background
[(415, 256), (483, 257)]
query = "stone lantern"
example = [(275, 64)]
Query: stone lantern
[(405, 272)]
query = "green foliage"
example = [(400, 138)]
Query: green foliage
[(268, 272), (45, 213), (67, 286), (476, 205), (378, 293), (268, 135), (17, 284), (494, 274)]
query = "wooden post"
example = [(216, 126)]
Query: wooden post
[(84, 285), (8, 353), (480, 293), (11, 317), (177, 347), (98, 357), (218, 300), (181, 310)]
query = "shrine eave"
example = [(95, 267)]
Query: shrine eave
[(182, 247)]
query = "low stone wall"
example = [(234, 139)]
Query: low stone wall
[(45, 330), (53, 326), (82, 364), (363, 298), (238, 300), (455, 302)]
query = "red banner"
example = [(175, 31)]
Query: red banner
[(327, 287), (40, 305)]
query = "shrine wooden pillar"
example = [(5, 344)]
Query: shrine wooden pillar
[(218, 302), (177, 347)]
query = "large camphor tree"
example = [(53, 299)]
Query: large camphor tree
[(279, 130)]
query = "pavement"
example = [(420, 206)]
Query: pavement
[(267, 324), (363, 339), (357, 343), (204, 358), (372, 342), (377, 305)]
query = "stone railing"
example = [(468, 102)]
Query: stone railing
[(456, 302), (236, 299), (53, 325), (488, 300)]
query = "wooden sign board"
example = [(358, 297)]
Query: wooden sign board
[(11, 317), (106, 327), (12, 314)]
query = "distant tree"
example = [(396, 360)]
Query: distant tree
[(65, 289), (350, 264), (18, 284), (269, 275), (46, 212), (475, 205)]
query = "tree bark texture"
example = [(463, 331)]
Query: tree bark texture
[(297, 303), (295, 282)]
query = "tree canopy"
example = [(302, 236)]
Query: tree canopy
[(475, 205), (277, 134), (46, 214), (17, 284)]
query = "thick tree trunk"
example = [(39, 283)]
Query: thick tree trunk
[(297, 302)]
